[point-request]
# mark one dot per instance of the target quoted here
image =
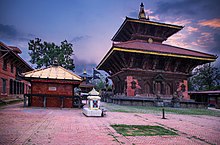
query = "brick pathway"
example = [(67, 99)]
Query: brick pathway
[(40, 126)]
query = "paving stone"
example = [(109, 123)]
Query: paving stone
[(54, 126)]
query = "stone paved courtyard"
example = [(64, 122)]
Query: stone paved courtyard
[(54, 126)]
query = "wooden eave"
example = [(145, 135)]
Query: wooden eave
[(125, 31), (52, 73), (117, 49), (45, 80), (17, 58)]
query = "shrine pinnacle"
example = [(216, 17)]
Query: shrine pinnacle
[(142, 15)]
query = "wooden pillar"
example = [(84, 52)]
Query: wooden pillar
[(25, 101), (62, 99), (45, 101), (29, 100), (79, 102)]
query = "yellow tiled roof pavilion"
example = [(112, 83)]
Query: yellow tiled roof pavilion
[(52, 72)]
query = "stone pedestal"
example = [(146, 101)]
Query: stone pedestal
[(89, 112)]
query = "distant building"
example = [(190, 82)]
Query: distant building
[(141, 65), (11, 67), (86, 86), (212, 98)]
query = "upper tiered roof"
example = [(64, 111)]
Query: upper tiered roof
[(144, 29)]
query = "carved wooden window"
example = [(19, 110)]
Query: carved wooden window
[(168, 89), (11, 86), (4, 86), (158, 87), (147, 88)]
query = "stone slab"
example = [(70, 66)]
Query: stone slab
[(89, 112)]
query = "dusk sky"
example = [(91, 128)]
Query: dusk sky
[(90, 24)]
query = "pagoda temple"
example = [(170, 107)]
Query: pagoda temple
[(86, 86), (141, 65)]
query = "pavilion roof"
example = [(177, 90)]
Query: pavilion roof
[(143, 47), (52, 72)]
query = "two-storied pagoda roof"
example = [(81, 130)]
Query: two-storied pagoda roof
[(142, 36)]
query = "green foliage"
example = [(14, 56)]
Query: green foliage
[(141, 130), (43, 53), (158, 110), (206, 77), (99, 85)]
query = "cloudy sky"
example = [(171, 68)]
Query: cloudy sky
[(90, 24)]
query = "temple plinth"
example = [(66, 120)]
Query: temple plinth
[(141, 65)]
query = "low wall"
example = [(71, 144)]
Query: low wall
[(134, 101), (45, 100), (185, 104)]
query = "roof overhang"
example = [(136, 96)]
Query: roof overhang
[(52, 73), (56, 81), (217, 92), (115, 49), (17, 58), (131, 24)]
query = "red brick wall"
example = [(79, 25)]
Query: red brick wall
[(7, 74), (37, 101), (53, 102), (68, 103), (130, 91), (43, 88), (185, 94)]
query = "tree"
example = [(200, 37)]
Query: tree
[(206, 77), (43, 53)]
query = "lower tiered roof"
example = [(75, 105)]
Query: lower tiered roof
[(158, 49)]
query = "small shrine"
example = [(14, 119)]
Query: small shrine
[(94, 104), (52, 87)]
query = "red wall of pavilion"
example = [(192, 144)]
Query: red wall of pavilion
[(43, 88)]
